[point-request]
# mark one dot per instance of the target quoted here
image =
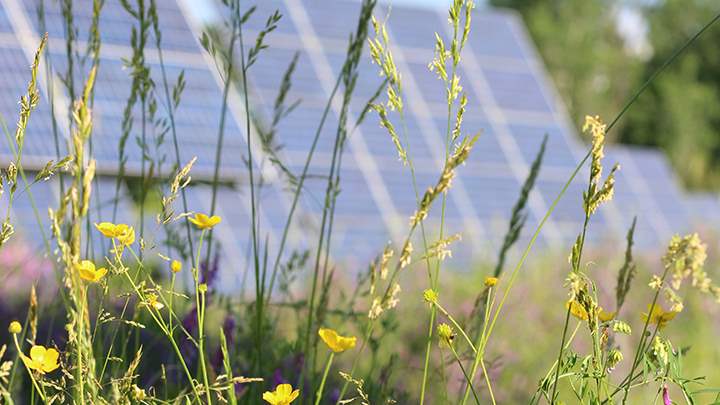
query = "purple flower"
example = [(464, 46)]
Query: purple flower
[(334, 396), (666, 395), (278, 378), (229, 330)]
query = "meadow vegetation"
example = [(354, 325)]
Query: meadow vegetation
[(146, 323)]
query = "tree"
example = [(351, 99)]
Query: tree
[(680, 111), (583, 52)]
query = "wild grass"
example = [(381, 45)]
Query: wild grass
[(133, 332)]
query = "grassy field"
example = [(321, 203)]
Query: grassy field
[(597, 326)]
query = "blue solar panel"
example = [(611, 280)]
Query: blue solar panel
[(510, 102)]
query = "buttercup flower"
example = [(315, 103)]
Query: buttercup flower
[(175, 266), (107, 229), (127, 236), (490, 281), (335, 342), (15, 327), (123, 233), (41, 359), (151, 300), (659, 316), (283, 395), (88, 272), (202, 221)]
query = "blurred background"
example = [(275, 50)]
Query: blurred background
[(532, 68), (599, 51)]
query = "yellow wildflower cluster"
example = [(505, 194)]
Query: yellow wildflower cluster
[(685, 258), (597, 194), (658, 316)]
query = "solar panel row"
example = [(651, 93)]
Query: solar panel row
[(511, 101)]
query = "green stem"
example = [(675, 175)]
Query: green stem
[(301, 182), (467, 378), (487, 381), (199, 304), (159, 321), (254, 226), (428, 347), (640, 349), (457, 326), (324, 377), (356, 361), (478, 354)]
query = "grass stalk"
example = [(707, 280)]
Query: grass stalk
[(318, 395)]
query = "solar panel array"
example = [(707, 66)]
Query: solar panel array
[(511, 101)]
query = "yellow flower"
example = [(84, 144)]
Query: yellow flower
[(106, 228), (283, 395), (490, 281), (87, 271), (151, 300), (41, 359), (175, 266), (335, 342), (659, 316), (138, 393), (125, 234), (605, 316), (15, 327), (202, 221), (430, 296), (446, 334), (577, 310)]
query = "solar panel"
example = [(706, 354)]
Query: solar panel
[(511, 103)]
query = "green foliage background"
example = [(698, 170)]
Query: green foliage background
[(594, 71)]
